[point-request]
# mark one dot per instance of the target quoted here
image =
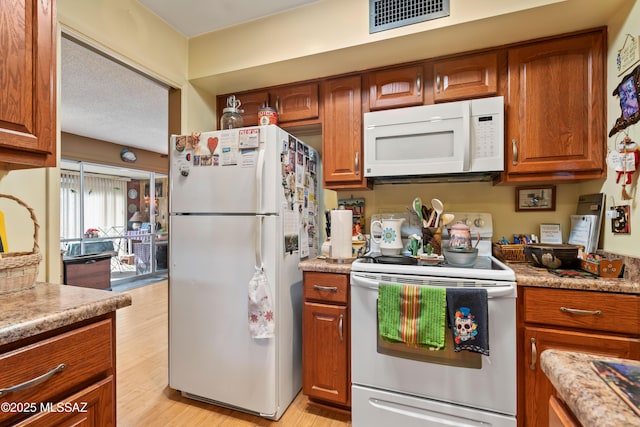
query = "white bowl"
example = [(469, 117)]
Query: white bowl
[(460, 257)]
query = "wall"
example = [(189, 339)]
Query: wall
[(297, 53), (625, 22), (131, 33), (332, 36)]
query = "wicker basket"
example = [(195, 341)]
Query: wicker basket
[(509, 253), (18, 270)]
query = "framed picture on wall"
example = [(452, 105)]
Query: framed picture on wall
[(538, 198)]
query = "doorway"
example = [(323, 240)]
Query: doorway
[(117, 212)]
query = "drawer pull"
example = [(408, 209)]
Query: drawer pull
[(581, 312), (34, 381), (325, 288), (340, 328), (534, 355)]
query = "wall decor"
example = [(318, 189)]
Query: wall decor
[(628, 54), (628, 92), (537, 198)]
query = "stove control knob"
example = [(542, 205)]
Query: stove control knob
[(478, 222)]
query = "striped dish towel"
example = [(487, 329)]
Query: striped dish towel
[(414, 315)]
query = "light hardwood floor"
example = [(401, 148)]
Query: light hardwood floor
[(144, 397)]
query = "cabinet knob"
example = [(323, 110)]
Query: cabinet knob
[(357, 163), (419, 83), (34, 381), (340, 333), (514, 146), (438, 83)]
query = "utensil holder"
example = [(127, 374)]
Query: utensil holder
[(432, 236)]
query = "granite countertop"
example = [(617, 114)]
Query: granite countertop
[(590, 399), (321, 265), (528, 275), (49, 306)]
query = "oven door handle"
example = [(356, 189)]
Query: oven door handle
[(492, 291)]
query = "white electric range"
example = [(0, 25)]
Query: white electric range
[(415, 387)]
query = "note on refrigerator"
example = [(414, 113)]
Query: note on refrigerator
[(583, 232)]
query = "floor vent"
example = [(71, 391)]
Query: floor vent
[(388, 14)]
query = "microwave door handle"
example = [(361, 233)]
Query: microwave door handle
[(466, 126)]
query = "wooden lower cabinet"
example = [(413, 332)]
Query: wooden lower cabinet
[(560, 415), (326, 341), (570, 320), (91, 407), (66, 377)]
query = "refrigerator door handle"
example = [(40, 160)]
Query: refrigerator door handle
[(259, 179)]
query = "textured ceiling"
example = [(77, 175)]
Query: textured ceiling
[(196, 17), (101, 99)]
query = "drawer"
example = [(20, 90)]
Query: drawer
[(86, 353), (600, 311), (328, 287)]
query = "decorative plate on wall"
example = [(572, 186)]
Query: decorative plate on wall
[(132, 208), (133, 193)]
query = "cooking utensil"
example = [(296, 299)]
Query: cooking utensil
[(417, 207), (425, 215), (460, 258), (438, 207), (447, 218)]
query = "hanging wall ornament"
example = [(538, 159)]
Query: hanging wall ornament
[(625, 162)]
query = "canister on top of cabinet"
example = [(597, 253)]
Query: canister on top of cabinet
[(267, 116)]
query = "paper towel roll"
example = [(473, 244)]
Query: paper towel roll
[(341, 222)]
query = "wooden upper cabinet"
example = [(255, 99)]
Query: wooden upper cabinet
[(28, 84), (555, 109), (397, 87), (250, 103), (295, 102), (342, 134), (292, 102), (467, 77)]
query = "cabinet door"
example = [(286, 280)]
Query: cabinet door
[(28, 86), (342, 134), (91, 407), (397, 87), (555, 110), (297, 102), (468, 77), (325, 357), (250, 103), (537, 386)]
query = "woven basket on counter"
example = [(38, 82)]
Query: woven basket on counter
[(19, 270), (509, 253)]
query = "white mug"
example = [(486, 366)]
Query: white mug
[(390, 240)]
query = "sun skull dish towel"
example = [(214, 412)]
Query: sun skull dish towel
[(261, 322), (469, 319), (415, 315)]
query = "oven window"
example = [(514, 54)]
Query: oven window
[(446, 356)]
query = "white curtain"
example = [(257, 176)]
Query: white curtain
[(104, 204)]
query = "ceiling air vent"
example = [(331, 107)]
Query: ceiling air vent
[(388, 14)]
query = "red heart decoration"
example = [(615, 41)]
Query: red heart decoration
[(212, 142)]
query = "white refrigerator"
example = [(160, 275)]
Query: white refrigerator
[(242, 202)]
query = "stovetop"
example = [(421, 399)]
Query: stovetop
[(486, 267)]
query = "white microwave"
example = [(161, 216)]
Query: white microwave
[(455, 138)]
